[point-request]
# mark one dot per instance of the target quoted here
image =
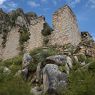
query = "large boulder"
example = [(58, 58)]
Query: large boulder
[(26, 60), (57, 59), (53, 79), (25, 65), (60, 60)]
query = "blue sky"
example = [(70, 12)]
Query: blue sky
[(83, 9)]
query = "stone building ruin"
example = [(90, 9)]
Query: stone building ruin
[(65, 27)]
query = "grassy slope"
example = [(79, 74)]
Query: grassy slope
[(81, 82)]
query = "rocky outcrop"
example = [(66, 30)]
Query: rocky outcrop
[(53, 79), (87, 45), (25, 65), (62, 60)]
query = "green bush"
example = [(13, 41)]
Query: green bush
[(5, 33), (81, 83), (16, 60), (40, 54), (46, 30), (81, 58), (24, 36), (91, 67)]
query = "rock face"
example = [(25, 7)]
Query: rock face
[(53, 79), (26, 60), (65, 28)]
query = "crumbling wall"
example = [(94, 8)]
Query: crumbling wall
[(36, 38), (12, 44), (65, 28), (12, 47)]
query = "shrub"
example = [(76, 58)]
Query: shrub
[(81, 58), (14, 86), (46, 30), (5, 33), (16, 60), (39, 55), (24, 34), (81, 83), (45, 41), (24, 37), (91, 67)]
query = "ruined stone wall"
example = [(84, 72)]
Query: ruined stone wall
[(65, 28), (12, 44), (12, 47), (36, 38)]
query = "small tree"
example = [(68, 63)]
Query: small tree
[(46, 30)]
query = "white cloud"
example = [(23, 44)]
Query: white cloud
[(73, 3), (33, 4), (2, 1), (11, 6), (91, 3), (8, 5)]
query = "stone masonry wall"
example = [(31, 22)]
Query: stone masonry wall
[(65, 28), (12, 44), (36, 38), (12, 48)]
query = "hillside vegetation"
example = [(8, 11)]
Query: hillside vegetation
[(81, 80)]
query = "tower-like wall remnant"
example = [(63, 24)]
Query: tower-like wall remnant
[(36, 38), (65, 27), (12, 44)]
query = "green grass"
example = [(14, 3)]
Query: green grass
[(82, 82), (14, 86)]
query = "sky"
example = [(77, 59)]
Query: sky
[(83, 9)]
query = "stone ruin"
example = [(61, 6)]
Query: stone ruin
[(65, 27), (65, 30)]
